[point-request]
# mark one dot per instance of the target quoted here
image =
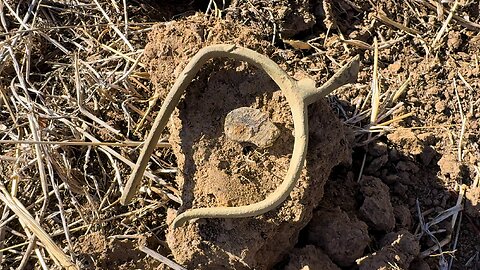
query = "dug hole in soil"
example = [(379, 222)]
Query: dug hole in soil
[(347, 222)]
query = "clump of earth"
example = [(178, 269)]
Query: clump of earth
[(226, 162)]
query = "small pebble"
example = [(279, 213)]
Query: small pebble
[(440, 106)]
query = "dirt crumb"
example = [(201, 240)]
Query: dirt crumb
[(419, 264), (396, 66), (376, 164), (440, 106), (454, 40), (472, 204), (407, 140), (427, 155), (377, 149), (403, 217), (449, 166)]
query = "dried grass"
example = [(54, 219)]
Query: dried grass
[(72, 90)]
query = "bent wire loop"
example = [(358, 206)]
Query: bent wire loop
[(299, 95)]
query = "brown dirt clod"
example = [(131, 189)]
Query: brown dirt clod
[(376, 210), (399, 251), (472, 205)]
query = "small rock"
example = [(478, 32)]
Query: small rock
[(310, 258), (376, 210), (395, 67), (440, 106), (250, 125), (342, 238)]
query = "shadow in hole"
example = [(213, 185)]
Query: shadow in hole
[(409, 167)]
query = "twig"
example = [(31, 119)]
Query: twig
[(455, 241), (445, 25), (57, 254), (463, 119), (83, 143), (468, 24), (402, 89), (383, 17), (129, 71), (79, 92), (375, 85), (453, 212), (114, 27), (157, 256), (115, 167), (60, 203)]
